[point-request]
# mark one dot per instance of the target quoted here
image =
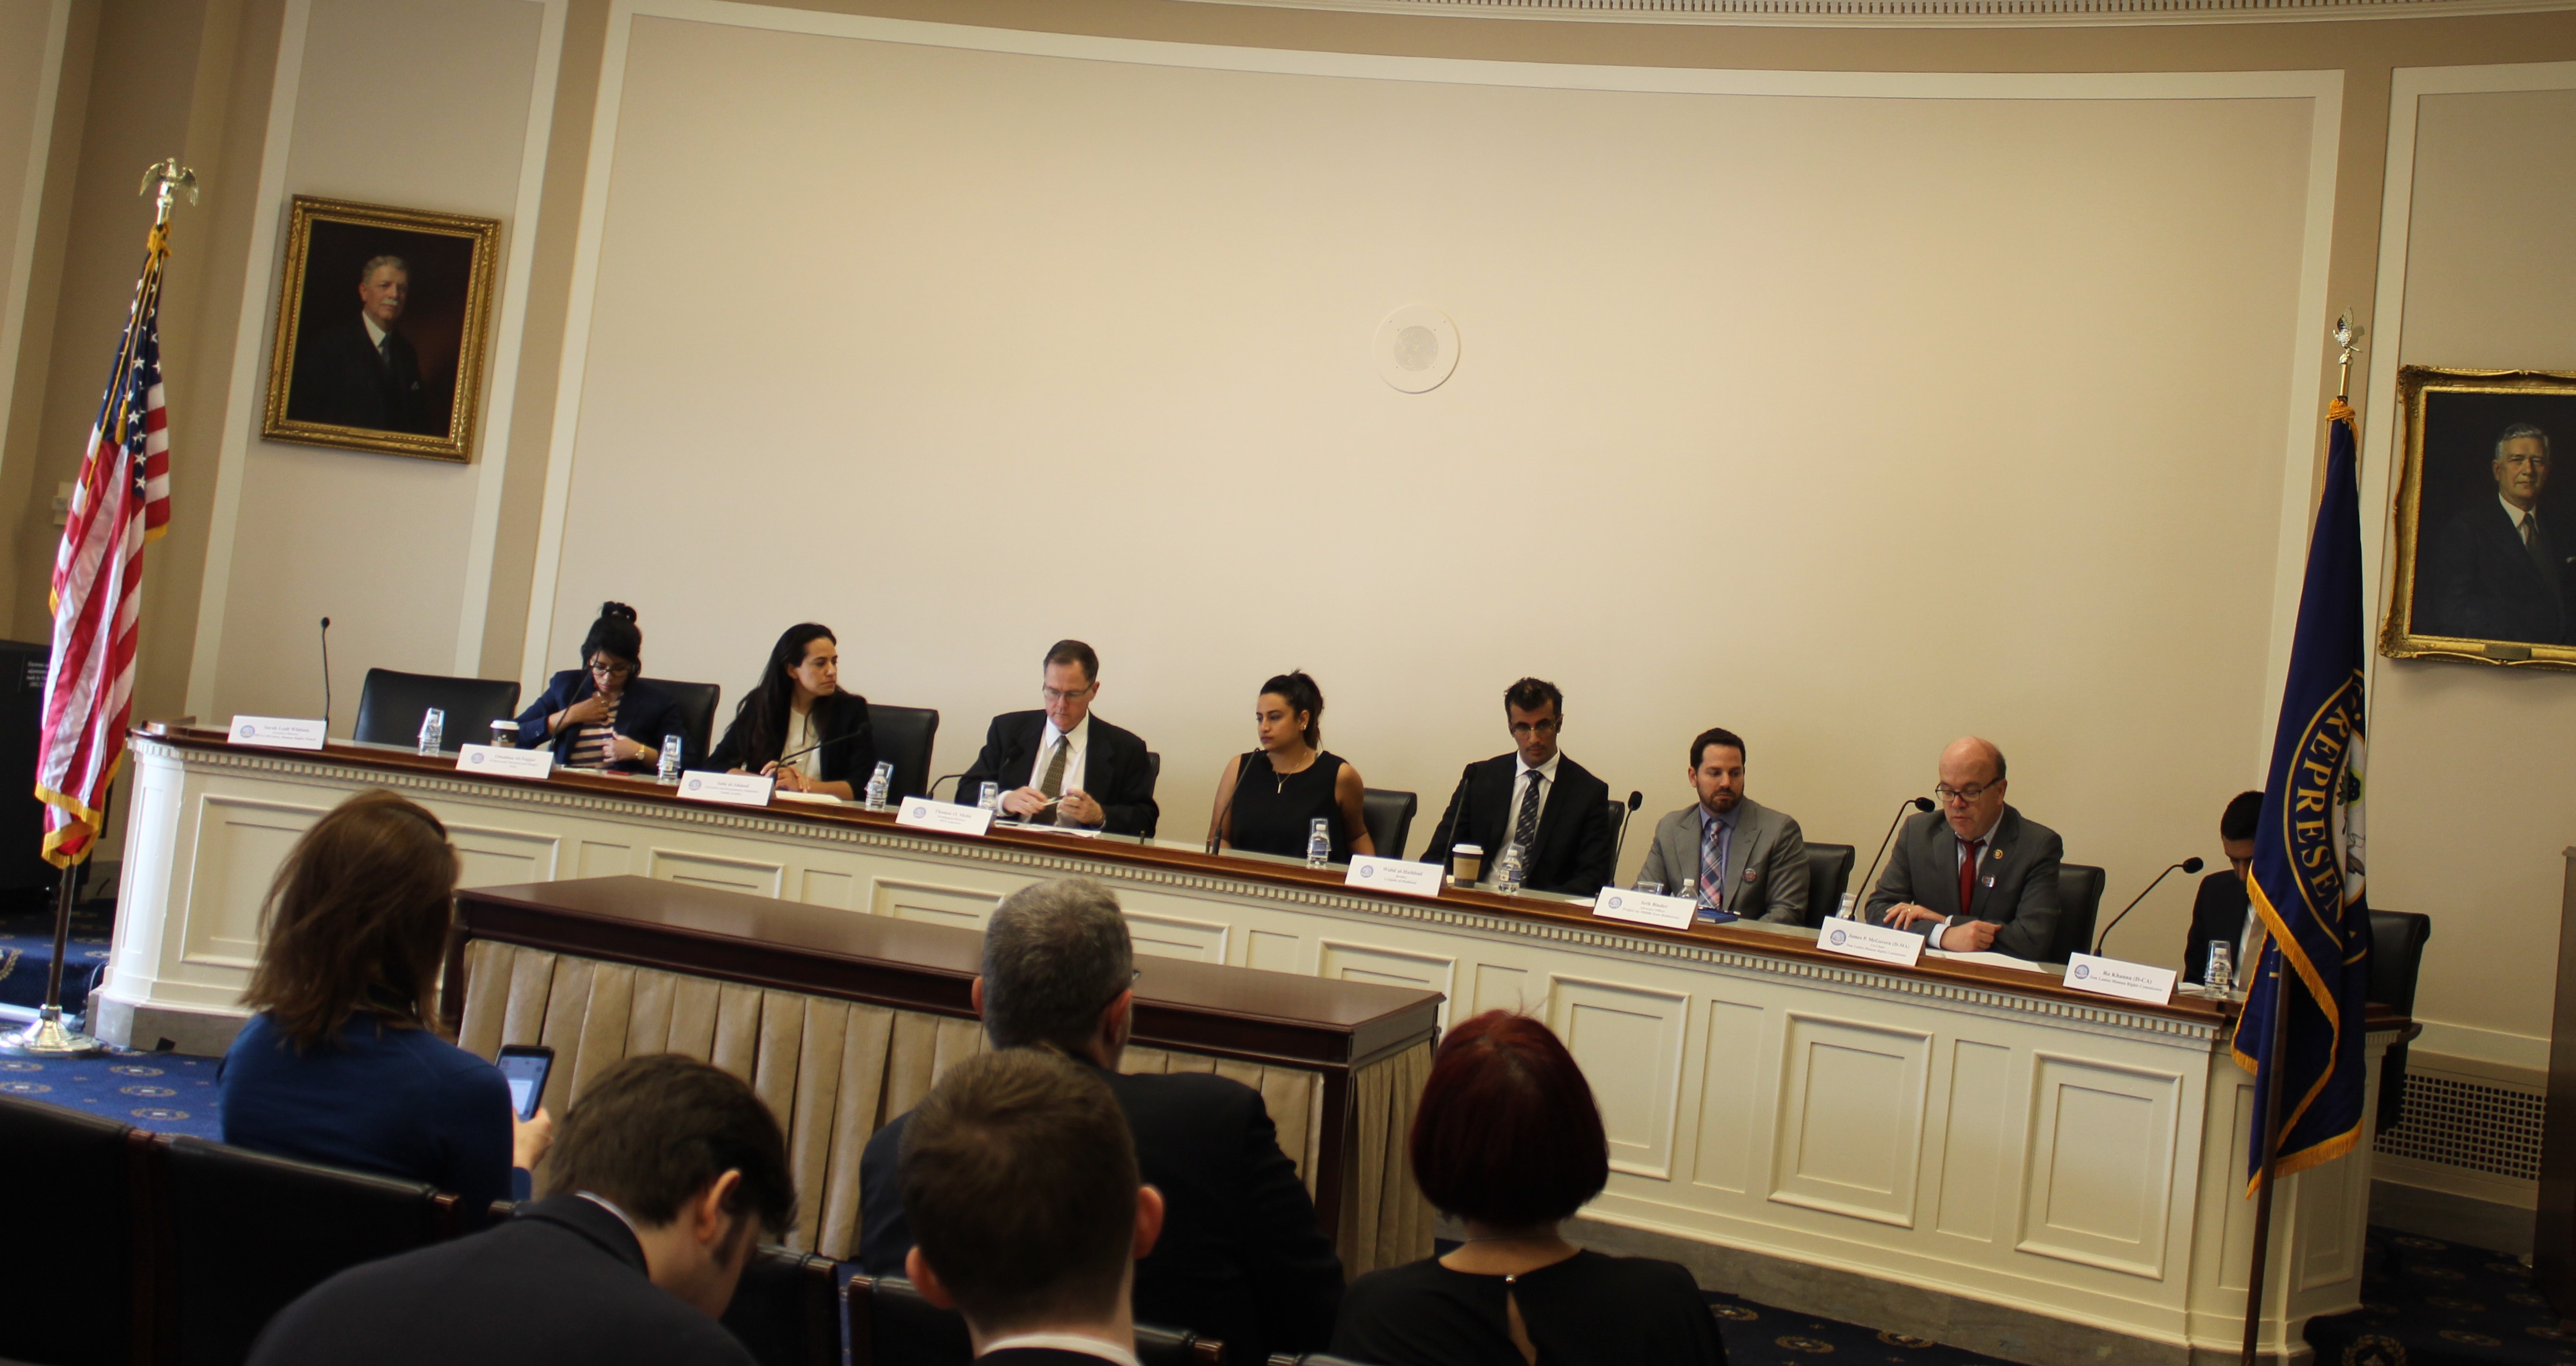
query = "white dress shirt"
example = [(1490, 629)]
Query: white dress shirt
[(1076, 760), (801, 735), (1985, 838), (1065, 1342), (2518, 514), (375, 335), (1522, 775)]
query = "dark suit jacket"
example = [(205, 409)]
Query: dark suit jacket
[(1573, 853), (1241, 1258), (644, 715), (848, 760), (2487, 585), (561, 1284), (2218, 912), (2016, 886), (340, 379), (1115, 770), (1041, 1356)]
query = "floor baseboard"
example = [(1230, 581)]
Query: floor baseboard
[(2452, 1217)]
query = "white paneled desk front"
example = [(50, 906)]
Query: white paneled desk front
[(1974, 1130)]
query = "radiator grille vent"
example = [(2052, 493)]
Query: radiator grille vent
[(2468, 1124)]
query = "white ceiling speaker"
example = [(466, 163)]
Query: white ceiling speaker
[(1417, 348)]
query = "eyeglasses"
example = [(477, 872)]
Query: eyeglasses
[(605, 669), (1066, 694), (1132, 979), (1948, 794)]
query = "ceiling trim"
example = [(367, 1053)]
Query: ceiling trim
[(1925, 13)]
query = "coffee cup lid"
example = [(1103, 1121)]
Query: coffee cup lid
[(1466, 848)]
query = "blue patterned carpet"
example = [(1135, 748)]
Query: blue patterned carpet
[(163, 1092), (2431, 1303), (27, 947), (1758, 1335)]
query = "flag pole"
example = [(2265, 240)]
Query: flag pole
[(2271, 1103)]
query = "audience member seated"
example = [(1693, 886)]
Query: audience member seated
[(1267, 801), (1508, 1141), (2223, 911), (1021, 1179), (603, 715), (800, 726), (1241, 1259), (340, 1065), (667, 1173)]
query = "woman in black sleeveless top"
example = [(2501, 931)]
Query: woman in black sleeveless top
[(1265, 800)]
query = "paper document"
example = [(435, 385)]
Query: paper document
[(1988, 957)]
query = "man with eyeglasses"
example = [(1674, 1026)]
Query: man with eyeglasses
[(1534, 797), (2498, 571), (1976, 874), (1240, 1259), (1061, 765)]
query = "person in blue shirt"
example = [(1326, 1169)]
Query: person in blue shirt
[(340, 1065), (604, 714)]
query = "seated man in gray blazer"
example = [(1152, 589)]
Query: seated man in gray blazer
[(1743, 858), (1975, 874)]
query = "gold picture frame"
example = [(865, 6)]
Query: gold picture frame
[(406, 378), (2467, 585)]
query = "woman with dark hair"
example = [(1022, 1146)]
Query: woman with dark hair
[(602, 715), (1266, 801), (798, 726), (1508, 1140), (340, 1065)]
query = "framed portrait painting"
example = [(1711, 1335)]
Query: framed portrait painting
[(382, 318), (2486, 525)]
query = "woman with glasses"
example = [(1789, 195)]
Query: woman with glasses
[(799, 726), (602, 715)]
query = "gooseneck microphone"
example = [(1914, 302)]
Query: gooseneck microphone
[(1635, 800), (1862, 896), (1216, 831), (2189, 865), (932, 792), (1447, 860), (326, 678), (824, 744)]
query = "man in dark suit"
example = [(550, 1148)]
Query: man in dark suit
[(1063, 765), (1241, 1258), (1974, 875), (360, 372), (1534, 797), (662, 1179), (2219, 912), (1022, 1179), (1739, 857), (2497, 571)]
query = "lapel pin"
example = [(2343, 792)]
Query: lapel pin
[(1990, 882)]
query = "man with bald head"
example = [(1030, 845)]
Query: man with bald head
[(1974, 874)]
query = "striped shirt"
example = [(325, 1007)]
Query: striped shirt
[(590, 746)]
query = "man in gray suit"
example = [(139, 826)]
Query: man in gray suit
[(1742, 857), (1974, 875)]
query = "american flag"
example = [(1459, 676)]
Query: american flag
[(121, 502)]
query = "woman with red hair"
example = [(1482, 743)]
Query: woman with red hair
[(1508, 1141)]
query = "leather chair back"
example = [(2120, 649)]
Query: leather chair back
[(80, 1191), (785, 1309), (697, 711), (391, 703), (1389, 815), (1829, 870), (2079, 904), (242, 1234), (904, 738), (886, 1322), (2396, 957)]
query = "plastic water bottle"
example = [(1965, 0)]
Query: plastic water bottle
[(669, 769), (2222, 969), (1509, 872), (989, 796), (1649, 888), (1319, 842), (1850, 907), (433, 728), (878, 782)]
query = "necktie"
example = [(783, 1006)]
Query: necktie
[(1712, 869), (1052, 786), (1525, 826), (2530, 524), (1968, 874), (385, 351)]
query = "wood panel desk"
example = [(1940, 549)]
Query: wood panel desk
[(1972, 1131)]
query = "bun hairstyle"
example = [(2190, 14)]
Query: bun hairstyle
[(614, 634), (1302, 695)]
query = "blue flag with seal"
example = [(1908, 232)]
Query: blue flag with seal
[(2306, 884)]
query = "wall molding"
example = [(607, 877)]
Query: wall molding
[(18, 273), (1923, 13)]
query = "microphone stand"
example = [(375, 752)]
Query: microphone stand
[(2189, 865), (1635, 799), (1216, 831), (1911, 803), (326, 678)]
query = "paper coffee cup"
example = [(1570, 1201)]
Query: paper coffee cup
[(1468, 861)]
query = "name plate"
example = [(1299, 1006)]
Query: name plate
[(1394, 875), (2128, 981), (1645, 908), (921, 813), (1877, 943), (492, 761), (276, 732), (732, 789)]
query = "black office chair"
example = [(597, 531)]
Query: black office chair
[(391, 703), (904, 737), (1829, 870), (1389, 815), (785, 1309), (2079, 904), (243, 1234), (80, 1192), (2396, 957), (697, 711)]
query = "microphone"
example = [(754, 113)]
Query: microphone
[(1217, 831), (932, 792), (1458, 825), (2189, 865), (826, 744), (1635, 800), (1911, 804), (326, 678)]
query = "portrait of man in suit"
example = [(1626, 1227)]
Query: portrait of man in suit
[(360, 371), (2497, 568), (2485, 522)]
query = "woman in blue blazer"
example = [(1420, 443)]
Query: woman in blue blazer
[(603, 715)]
